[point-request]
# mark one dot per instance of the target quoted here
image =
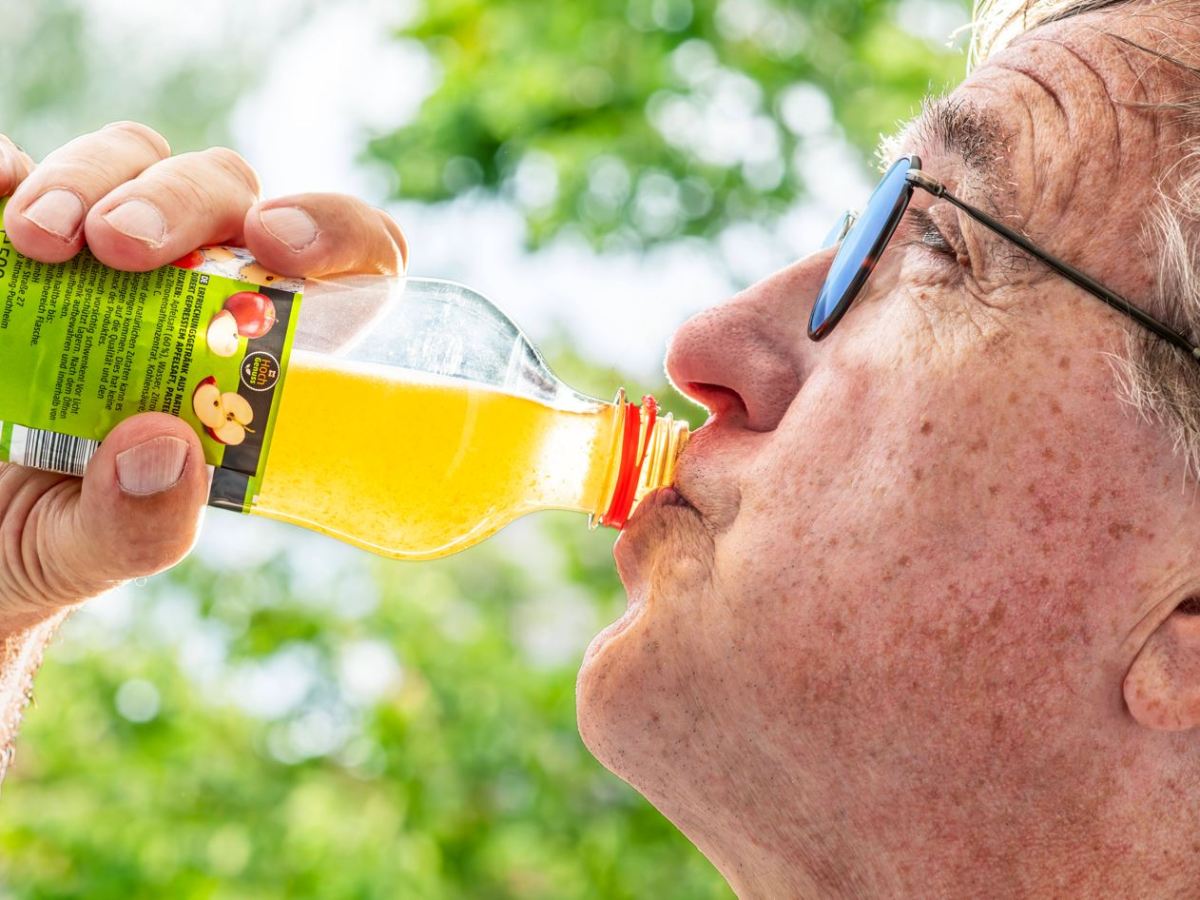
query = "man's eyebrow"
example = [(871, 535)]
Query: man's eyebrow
[(956, 128)]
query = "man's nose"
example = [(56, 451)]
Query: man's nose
[(745, 359)]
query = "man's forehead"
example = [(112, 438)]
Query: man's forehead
[(972, 134), (1044, 121), (1101, 79), (1060, 132)]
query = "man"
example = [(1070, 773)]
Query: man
[(929, 628), (926, 624)]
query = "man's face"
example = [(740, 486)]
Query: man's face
[(917, 548)]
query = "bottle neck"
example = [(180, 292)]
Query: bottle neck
[(646, 448)]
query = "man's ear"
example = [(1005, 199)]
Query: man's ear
[(1162, 688)]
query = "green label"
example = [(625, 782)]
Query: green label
[(206, 338)]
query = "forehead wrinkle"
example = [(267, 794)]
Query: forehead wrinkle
[(1038, 173), (1104, 86)]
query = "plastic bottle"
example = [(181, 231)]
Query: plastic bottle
[(407, 416)]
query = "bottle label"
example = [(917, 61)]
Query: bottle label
[(206, 339)]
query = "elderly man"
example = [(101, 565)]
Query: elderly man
[(923, 618)]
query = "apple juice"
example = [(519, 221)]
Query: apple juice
[(452, 461)]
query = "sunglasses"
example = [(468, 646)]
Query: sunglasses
[(863, 239)]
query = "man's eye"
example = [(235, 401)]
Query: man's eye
[(933, 237), (924, 230)]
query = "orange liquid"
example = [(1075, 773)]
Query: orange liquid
[(415, 466)]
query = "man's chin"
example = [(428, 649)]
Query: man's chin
[(664, 558), (609, 689), (610, 632)]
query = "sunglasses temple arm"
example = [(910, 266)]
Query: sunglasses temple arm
[(1089, 284)]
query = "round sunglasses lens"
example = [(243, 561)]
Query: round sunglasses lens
[(839, 230), (854, 256)]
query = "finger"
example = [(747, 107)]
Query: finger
[(44, 219), (324, 234), (173, 207), (136, 512), (15, 165)]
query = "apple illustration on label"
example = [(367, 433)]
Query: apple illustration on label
[(225, 416), (237, 418), (222, 334), (254, 313), (206, 403), (190, 260)]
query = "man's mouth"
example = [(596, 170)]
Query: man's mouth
[(668, 496)]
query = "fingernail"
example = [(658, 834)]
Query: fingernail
[(58, 211), (293, 226), (139, 220), (153, 466)]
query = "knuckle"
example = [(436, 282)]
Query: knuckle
[(233, 164), (36, 575), (399, 241), (186, 191), (13, 145), (142, 134), (148, 548), (86, 177)]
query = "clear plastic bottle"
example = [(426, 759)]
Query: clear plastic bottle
[(424, 425), (407, 416)]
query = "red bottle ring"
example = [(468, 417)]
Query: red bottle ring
[(634, 447)]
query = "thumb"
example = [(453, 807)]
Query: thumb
[(138, 510)]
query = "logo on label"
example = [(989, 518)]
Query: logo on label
[(260, 371)]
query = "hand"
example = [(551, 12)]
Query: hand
[(138, 507)]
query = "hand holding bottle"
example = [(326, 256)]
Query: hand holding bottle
[(136, 207)]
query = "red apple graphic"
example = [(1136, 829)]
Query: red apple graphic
[(190, 261), (254, 312)]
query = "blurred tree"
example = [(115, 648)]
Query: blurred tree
[(651, 119), (70, 71)]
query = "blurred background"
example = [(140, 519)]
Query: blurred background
[(284, 716)]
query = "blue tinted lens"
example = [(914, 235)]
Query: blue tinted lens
[(859, 247), (838, 231)]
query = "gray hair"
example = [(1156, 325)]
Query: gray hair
[(1161, 384)]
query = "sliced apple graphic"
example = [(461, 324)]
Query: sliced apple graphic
[(225, 416), (254, 312), (206, 402), (222, 334), (236, 416)]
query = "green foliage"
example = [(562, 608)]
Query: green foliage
[(60, 82), (464, 777), (649, 119)]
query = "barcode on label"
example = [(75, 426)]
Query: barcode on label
[(50, 450)]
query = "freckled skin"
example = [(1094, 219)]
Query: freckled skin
[(890, 655)]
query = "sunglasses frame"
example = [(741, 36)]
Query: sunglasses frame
[(915, 178)]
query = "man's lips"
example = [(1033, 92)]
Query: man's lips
[(646, 527), (667, 496)]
